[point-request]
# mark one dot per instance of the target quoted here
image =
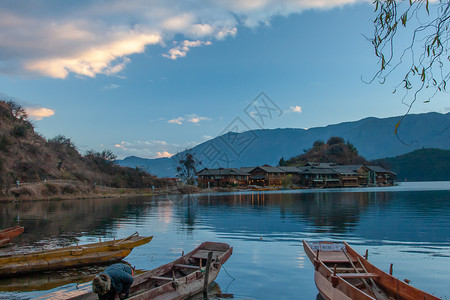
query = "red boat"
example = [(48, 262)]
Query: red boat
[(8, 234)]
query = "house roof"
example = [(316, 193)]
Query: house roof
[(223, 172), (289, 169), (270, 169), (320, 165), (346, 171), (247, 169), (378, 169)]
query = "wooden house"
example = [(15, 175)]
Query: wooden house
[(266, 175), (223, 177)]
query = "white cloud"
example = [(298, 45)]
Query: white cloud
[(111, 86), (196, 119), (38, 114), (296, 109), (145, 149), (181, 50), (98, 37), (178, 121)]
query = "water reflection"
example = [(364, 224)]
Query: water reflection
[(265, 229)]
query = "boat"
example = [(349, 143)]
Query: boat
[(74, 256), (342, 274), (182, 278), (8, 234)]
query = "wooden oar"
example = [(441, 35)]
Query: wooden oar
[(379, 294)]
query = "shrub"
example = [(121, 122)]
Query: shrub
[(20, 131), (69, 189), (335, 140), (50, 189), (188, 189), (22, 191), (4, 143)]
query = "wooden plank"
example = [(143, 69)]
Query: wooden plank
[(187, 266), (358, 275), (335, 257), (161, 278), (203, 254)]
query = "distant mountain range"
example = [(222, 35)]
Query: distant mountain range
[(373, 137)]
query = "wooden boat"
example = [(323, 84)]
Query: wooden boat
[(182, 278), (75, 256), (342, 274), (7, 235)]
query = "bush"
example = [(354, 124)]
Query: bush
[(20, 131), (4, 143), (50, 189), (22, 192), (69, 189), (335, 140), (189, 189)]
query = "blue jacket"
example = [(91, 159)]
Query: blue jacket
[(120, 275)]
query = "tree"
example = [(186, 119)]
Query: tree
[(282, 162), (187, 165), (426, 58), (17, 110)]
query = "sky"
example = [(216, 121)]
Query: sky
[(152, 78)]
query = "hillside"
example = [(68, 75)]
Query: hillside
[(373, 137), (419, 165), (335, 150), (26, 156)]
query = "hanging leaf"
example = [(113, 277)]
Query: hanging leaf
[(396, 126)]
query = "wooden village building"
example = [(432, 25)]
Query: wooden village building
[(222, 177), (312, 175)]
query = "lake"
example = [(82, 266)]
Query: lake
[(407, 225)]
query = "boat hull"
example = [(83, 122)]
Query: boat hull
[(340, 273), (75, 256), (152, 285), (7, 235)]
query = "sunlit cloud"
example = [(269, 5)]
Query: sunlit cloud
[(296, 109), (38, 114), (99, 37), (178, 121), (145, 149), (163, 154), (183, 48)]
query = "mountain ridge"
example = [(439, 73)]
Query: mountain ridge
[(373, 137)]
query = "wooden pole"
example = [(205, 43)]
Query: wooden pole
[(391, 269), (379, 294), (208, 265)]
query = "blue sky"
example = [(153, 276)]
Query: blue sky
[(150, 78)]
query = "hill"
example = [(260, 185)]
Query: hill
[(335, 150), (419, 165), (373, 137), (26, 156)]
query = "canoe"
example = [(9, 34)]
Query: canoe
[(342, 274), (75, 256), (8, 234), (182, 278)]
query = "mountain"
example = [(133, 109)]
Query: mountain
[(373, 137), (419, 165)]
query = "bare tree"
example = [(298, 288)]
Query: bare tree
[(187, 165), (426, 56)]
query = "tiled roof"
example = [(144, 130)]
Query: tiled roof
[(222, 171)]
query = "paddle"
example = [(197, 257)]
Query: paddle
[(379, 294)]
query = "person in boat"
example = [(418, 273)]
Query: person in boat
[(116, 278)]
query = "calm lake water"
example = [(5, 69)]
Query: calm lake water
[(407, 225)]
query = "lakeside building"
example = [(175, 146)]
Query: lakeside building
[(312, 175)]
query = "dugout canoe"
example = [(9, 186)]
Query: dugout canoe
[(74, 256), (8, 234), (342, 274), (180, 279)]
